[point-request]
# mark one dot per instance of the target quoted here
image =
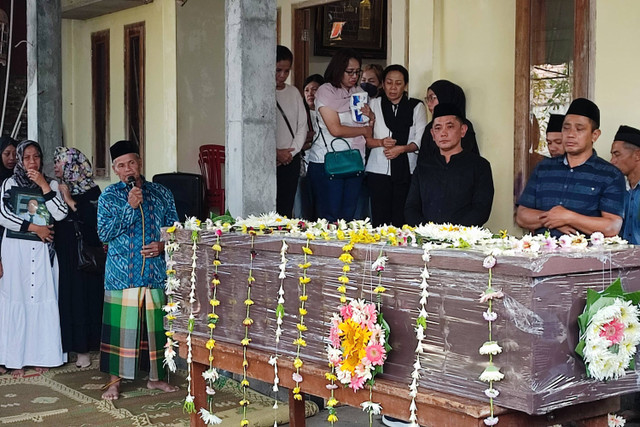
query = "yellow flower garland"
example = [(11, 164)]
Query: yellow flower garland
[(300, 342)]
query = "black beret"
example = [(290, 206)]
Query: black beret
[(123, 147), (555, 123), (586, 108), (447, 110), (628, 134)]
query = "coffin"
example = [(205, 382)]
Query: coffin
[(536, 325)]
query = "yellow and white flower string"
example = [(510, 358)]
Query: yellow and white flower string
[(346, 258), (211, 375), (273, 360), (491, 348), (192, 224), (421, 328), (172, 283), (300, 342), (248, 321)]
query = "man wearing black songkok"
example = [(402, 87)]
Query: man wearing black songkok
[(554, 135), (454, 185), (625, 155), (577, 192)]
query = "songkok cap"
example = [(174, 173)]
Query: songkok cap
[(586, 108), (628, 134), (555, 123), (447, 110), (123, 147)]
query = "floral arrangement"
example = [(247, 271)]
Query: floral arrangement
[(456, 235), (609, 332), (172, 283), (358, 343), (211, 375), (192, 224), (490, 348)]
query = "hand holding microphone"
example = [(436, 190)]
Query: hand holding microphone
[(135, 194)]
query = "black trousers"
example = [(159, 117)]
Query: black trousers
[(387, 199), (286, 185)]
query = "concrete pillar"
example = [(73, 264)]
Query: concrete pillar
[(44, 75), (250, 106)]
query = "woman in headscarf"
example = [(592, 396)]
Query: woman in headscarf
[(396, 136), (446, 92), (29, 319), (81, 292)]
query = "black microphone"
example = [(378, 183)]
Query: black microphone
[(131, 182)]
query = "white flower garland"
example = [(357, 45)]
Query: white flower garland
[(273, 360), (420, 329), (192, 224), (491, 348), (172, 283)]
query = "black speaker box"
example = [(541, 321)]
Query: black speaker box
[(188, 192)]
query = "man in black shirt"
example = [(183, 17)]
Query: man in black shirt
[(453, 185)]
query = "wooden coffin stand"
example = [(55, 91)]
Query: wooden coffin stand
[(545, 382)]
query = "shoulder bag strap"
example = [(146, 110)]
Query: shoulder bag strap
[(284, 116)]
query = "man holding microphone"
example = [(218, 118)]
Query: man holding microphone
[(131, 214)]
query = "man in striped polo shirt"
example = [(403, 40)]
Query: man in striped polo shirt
[(577, 192)]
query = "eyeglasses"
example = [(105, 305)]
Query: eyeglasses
[(352, 72)]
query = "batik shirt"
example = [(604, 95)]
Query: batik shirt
[(631, 227), (123, 228)]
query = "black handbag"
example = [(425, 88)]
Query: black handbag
[(342, 164), (91, 259)]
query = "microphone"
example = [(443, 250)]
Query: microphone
[(131, 182)]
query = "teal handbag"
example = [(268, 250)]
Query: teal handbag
[(342, 164)]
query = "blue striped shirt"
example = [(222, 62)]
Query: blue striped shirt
[(590, 188), (121, 227)]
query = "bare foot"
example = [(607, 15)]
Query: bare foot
[(113, 389), (84, 360), (17, 373), (40, 370), (161, 385)]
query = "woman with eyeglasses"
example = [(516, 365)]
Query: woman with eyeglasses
[(396, 138), (446, 92), (337, 198)]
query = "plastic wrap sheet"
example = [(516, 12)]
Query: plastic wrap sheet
[(537, 318)]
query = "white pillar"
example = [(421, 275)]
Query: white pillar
[(250, 106)]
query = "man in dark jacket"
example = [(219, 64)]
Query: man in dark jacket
[(455, 185)]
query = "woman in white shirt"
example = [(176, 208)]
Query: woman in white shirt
[(397, 133)]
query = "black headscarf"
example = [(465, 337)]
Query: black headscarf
[(6, 141), (448, 93)]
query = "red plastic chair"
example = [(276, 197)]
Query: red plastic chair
[(211, 161)]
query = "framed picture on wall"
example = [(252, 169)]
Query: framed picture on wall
[(28, 203), (358, 24)]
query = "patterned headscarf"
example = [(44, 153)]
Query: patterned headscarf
[(19, 172), (77, 172)]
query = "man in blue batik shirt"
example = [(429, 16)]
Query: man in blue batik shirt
[(131, 214), (625, 155), (577, 192)]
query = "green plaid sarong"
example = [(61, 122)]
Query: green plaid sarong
[(133, 333)]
